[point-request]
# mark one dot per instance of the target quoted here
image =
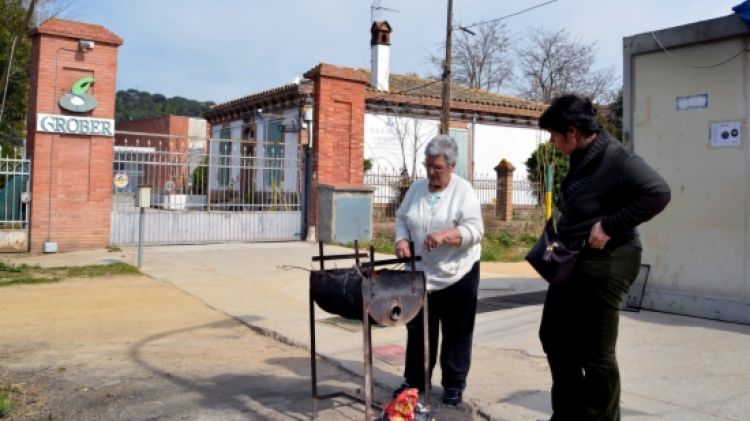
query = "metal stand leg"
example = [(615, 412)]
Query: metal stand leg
[(313, 367), (426, 329), (367, 343), (367, 287), (366, 332)]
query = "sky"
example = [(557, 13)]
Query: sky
[(220, 50)]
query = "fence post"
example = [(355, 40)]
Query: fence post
[(504, 196)]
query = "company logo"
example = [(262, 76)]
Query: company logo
[(78, 100)]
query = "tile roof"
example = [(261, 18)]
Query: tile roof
[(72, 29), (417, 87), (269, 94), (403, 88)]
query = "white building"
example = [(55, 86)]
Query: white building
[(401, 114)]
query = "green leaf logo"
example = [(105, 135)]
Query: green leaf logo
[(82, 86), (78, 100)]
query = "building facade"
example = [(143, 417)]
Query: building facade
[(352, 115), (686, 110)]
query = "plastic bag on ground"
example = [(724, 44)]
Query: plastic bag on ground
[(406, 407)]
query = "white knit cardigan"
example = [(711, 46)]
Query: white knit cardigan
[(458, 208)]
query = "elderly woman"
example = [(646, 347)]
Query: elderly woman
[(442, 216), (607, 192)]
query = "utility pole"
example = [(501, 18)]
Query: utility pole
[(446, 115)]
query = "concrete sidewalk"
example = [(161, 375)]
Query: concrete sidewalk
[(673, 367)]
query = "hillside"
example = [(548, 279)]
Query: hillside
[(133, 105)]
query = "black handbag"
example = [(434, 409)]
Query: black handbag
[(550, 257)]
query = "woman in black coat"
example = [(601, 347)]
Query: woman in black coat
[(607, 192)]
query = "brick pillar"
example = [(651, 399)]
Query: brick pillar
[(338, 128), (71, 180), (504, 202)]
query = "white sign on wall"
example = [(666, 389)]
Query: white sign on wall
[(691, 102), (726, 134), (87, 126)]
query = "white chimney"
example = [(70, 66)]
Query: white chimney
[(380, 48)]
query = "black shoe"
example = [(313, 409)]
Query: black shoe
[(452, 396), (400, 389)]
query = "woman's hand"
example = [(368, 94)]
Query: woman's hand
[(450, 236), (432, 240), (402, 249), (597, 237)]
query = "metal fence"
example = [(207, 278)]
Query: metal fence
[(391, 186), (15, 173), (14, 188), (525, 192), (206, 190), (207, 174)]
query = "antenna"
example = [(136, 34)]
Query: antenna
[(375, 9)]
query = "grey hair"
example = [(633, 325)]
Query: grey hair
[(442, 145)]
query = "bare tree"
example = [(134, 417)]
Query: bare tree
[(411, 136), (554, 63), (481, 60), (407, 132), (48, 9)]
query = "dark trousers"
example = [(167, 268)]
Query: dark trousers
[(579, 334), (453, 309)]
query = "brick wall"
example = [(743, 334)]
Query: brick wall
[(504, 203), (71, 175), (338, 128), (175, 126), (165, 134)]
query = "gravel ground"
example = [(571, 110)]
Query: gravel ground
[(132, 348)]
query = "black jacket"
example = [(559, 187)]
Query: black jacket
[(609, 183)]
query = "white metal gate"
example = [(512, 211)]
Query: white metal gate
[(206, 190), (15, 175)]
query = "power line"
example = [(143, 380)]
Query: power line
[(696, 66), (506, 16)]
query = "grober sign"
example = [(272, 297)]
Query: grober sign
[(75, 125)]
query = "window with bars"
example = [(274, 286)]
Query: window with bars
[(275, 154), (225, 157)]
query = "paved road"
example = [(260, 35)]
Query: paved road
[(673, 367)]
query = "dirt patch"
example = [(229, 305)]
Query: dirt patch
[(132, 348), (514, 269)]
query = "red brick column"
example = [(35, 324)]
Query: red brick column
[(338, 128), (504, 196), (71, 181)]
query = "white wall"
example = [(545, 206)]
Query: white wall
[(197, 133), (493, 143), (382, 144), (698, 247)]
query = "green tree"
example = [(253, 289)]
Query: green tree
[(133, 105), (199, 178), (610, 116), (545, 154), (13, 29)]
